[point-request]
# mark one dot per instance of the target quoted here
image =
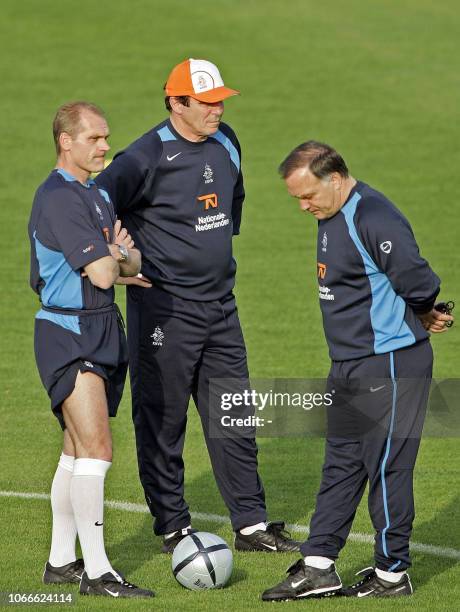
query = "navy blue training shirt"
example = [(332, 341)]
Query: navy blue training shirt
[(372, 279), (70, 226), (181, 202)]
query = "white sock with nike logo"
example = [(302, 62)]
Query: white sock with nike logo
[(253, 528), (87, 495), (64, 532), (393, 577), (318, 562)]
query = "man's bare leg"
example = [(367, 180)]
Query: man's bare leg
[(86, 417)]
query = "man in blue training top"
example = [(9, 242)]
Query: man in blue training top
[(179, 191), (377, 297), (78, 251)]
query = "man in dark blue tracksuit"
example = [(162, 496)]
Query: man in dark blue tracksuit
[(377, 298), (179, 191)]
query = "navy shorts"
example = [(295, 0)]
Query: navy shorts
[(90, 341)]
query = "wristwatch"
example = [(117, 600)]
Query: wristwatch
[(124, 253)]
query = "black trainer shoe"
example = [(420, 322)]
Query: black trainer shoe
[(65, 574), (110, 585), (169, 544), (275, 539), (305, 581), (373, 586)]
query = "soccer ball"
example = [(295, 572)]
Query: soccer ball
[(202, 561)]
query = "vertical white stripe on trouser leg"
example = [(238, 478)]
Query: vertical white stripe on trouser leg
[(385, 458)]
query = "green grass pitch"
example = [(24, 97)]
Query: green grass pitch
[(379, 80)]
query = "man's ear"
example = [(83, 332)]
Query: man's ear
[(65, 141), (336, 180), (176, 105)]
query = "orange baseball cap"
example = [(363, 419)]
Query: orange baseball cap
[(198, 79)]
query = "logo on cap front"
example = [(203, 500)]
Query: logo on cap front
[(202, 81), (204, 75)]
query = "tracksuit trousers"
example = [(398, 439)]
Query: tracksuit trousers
[(374, 430), (176, 347)]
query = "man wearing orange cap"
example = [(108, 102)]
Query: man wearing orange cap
[(179, 191)]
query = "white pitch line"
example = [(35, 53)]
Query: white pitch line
[(429, 549)]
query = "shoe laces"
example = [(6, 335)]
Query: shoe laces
[(120, 579), (366, 573), (298, 566), (277, 529), (129, 585)]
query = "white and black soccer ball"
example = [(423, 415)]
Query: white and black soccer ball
[(202, 561)]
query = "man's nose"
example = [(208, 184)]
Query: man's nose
[(219, 108), (304, 205)]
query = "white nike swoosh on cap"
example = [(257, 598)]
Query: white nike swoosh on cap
[(374, 389), (170, 158)]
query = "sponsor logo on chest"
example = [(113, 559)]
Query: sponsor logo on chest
[(210, 200), (324, 292), (322, 268), (210, 222)]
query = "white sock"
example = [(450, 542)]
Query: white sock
[(87, 495), (253, 528), (318, 562), (64, 534), (173, 533), (389, 576)]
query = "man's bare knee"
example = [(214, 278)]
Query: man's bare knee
[(92, 443), (95, 450)]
